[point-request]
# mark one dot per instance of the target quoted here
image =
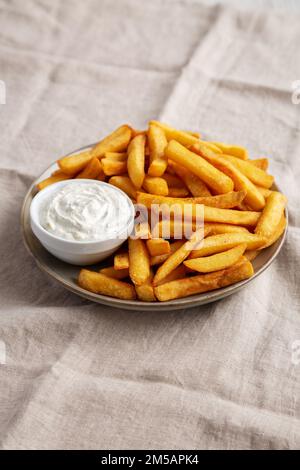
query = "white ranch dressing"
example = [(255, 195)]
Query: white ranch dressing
[(86, 212)]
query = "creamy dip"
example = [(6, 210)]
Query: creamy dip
[(86, 212)]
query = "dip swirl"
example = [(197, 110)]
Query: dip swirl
[(86, 212)]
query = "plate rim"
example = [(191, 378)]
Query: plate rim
[(175, 304)]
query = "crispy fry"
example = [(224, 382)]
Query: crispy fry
[(178, 192), (178, 229), (204, 282), (52, 179), (157, 143), (136, 160), (271, 214), (184, 138), (145, 292), (177, 273), (235, 150), (158, 246), (73, 164), (216, 228), (113, 167), (211, 146), (173, 181), (264, 191), (121, 261), (159, 259), (116, 274), (195, 185), (253, 197), (262, 163), (155, 185), (214, 178), (253, 173), (142, 230), (222, 260), (225, 241), (139, 261), (176, 258), (277, 232), (125, 184), (92, 171), (224, 201), (117, 156), (101, 284), (251, 254), (117, 141)]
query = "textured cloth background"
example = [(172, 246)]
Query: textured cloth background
[(79, 375)]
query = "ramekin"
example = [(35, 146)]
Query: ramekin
[(77, 252)]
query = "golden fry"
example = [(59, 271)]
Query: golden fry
[(145, 292), (225, 241), (194, 184), (214, 178), (253, 197), (158, 246), (184, 138), (159, 259), (155, 185), (157, 143), (204, 282), (176, 258), (125, 184), (73, 164), (235, 150), (116, 274), (121, 261), (113, 167), (101, 284), (253, 173), (52, 179), (92, 171), (136, 160), (209, 264), (139, 261), (117, 141), (271, 214)]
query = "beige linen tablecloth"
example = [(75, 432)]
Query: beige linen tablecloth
[(80, 375)]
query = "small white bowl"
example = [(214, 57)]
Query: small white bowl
[(77, 252)]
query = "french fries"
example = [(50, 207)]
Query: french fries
[(253, 172), (235, 150), (145, 292), (158, 246), (113, 167), (125, 184), (176, 258), (121, 261), (204, 282), (253, 197), (117, 141), (185, 189), (271, 214), (209, 264), (214, 178), (222, 201), (184, 138), (73, 164), (157, 143), (155, 185), (102, 284), (51, 180), (136, 160), (139, 261), (116, 274), (225, 241), (92, 171)]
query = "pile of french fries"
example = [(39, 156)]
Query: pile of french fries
[(164, 166)]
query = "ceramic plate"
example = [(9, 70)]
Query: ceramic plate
[(66, 274)]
